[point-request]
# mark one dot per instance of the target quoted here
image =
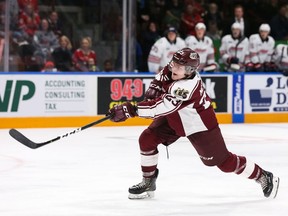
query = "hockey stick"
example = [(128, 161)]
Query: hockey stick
[(33, 145)]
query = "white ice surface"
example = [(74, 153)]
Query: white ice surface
[(88, 174)]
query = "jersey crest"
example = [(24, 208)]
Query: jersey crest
[(182, 93)]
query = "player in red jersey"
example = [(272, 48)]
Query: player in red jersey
[(178, 103)]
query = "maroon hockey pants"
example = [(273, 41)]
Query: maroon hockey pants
[(209, 145)]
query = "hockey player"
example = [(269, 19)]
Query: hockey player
[(180, 107), (163, 50), (204, 46), (234, 50), (261, 48), (280, 57)]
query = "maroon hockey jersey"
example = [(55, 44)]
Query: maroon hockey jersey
[(184, 103)]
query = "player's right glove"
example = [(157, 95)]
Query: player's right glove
[(233, 60), (154, 90), (120, 113)]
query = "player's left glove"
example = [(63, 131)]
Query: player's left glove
[(120, 113)]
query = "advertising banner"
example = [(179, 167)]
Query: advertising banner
[(116, 90), (266, 93), (238, 98), (218, 88), (47, 95)]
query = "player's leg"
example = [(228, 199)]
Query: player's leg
[(212, 150), (158, 132)]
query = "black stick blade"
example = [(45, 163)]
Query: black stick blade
[(22, 139)]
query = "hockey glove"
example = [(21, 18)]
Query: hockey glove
[(270, 67), (120, 113), (233, 60), (154, 90), (258, 67), (210, 68), (249, 67)]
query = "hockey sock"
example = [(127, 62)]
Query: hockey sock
[(241, 166), (149, 161)]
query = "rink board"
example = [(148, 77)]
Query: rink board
[(75, 99)]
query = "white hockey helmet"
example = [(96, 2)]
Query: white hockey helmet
[(265, 27), (200, 25), (236, 25)]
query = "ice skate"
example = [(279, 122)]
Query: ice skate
[(269, 184), (144, 189)]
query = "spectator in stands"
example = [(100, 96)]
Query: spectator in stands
[(55, 24), (44, 41), (212, 30), (280, 57), (213, 16), (261, 48), (149, 37), (23, 3), (82, 55), (163, 50), (108, 65), (238, 18), (234, 50), (29, 21), (92, 67), (49, 66), (189, 19), (203, 45), (62, 55), (14, 13), (279, 23), (157, 9), (172, 17), (197, 5)]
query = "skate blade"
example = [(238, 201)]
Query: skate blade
[(144, 195), (276, 181)]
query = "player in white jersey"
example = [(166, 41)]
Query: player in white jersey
[(280, 58), (180, 107), (261, 48), (204, 46), (234, 50), (163, 50)]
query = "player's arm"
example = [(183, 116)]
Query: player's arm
[(179, 92), (253, 50), (211, 64), (223, 51)]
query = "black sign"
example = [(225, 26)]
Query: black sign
[(116, 90), (217, 88)]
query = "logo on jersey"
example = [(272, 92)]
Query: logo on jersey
[(182, 93)]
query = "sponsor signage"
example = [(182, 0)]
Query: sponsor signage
[(116, 90), (266, 93), (217, 89), (238, 98), (47, 95)]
